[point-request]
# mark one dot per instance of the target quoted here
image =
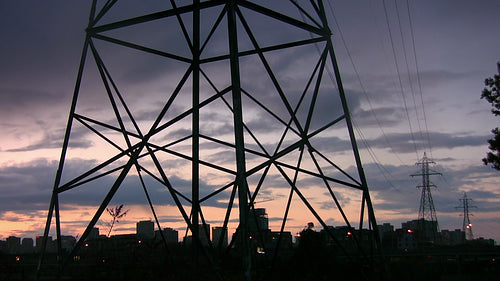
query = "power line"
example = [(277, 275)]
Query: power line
[(399, 78), (426, 143), (418, 77), (403, 44), (374, 157), (363, 89)]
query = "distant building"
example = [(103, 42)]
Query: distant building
[(50, 247), (3, 246), (171, 235), (452, 238), (145, 230), (38, 242), (406, 240), (410, 225), (94, 233), (121, 246), (385, 228), (337, 233), (13, 244), (424, 231), (387, 235), (219, 233), (204, 234), (27, 246), (481, 242), (257, 220), (187, 240), (67, 242), (285, 240)]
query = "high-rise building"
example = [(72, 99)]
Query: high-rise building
[(50, 247), (218, 233), (94, 233), (257, 220), (204, 234), (145, 229), (67, 242), (406, 240), (284, 238), (171, 235), (3, 246), (27, 245), (385, 228), (425, 230), (39, 241), (452, 237), (13, 244)]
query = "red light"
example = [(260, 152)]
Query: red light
[(349, 233), (410, 231)]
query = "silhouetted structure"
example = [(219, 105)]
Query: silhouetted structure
[(145, 229), (224, 96), (219, 237), (466, 225), (314, 256), (13, 244), (258, 221), (171, 235), (427, 225)]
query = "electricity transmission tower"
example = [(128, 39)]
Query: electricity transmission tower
[(427, 220), (467, 225), (202, 108)]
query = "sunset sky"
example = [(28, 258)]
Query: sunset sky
[(455, 46)]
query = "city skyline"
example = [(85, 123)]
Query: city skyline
[(107, 255), (147, 230), (41, 56), (407, 237)]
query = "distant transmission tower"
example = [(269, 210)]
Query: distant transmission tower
[(467, 225), (220, 104), (427, 220)]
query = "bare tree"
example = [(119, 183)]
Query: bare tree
[(116, 214)]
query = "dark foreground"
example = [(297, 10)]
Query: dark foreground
[(439, 264)]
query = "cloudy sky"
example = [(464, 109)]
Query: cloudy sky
[(412, 87)]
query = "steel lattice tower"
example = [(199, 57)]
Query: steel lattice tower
[(466, 225), (428, 226), (227, 127)]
